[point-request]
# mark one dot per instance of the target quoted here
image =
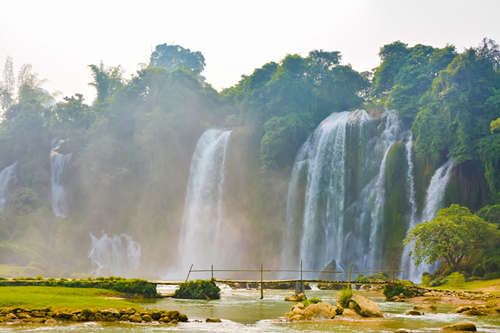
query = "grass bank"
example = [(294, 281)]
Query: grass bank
[(492, 286), (63, 298)]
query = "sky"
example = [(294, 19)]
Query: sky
[(60, 38)]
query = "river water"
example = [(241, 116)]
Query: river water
[(242, 311)]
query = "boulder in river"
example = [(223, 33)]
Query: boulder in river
[(466, 326), (321, 310), (296, 298), (413, 313), (364, 306)]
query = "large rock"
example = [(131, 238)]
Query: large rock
[(463, 326), (364, 306), (321, 310)]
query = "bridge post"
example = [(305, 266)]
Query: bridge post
[(187, 277), (349, 279), (299, 285), (261, 281)]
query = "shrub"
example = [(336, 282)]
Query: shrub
[(398, 288), (491, 276), (345, 297), (199, 289), (382, 276), (314, 300), (455, 280), (426, 280)]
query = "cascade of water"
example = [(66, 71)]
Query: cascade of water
[(405, 259), (58, 162), (388, 137), (115, 255), (433, 202), (6, 176), (336, 192), (201, 239)]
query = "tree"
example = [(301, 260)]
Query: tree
[(107, 80), (451, 237), (7, 87), (173, 56), (495, 125)]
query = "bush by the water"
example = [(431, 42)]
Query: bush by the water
[(198, 289), (455, 280), (128, 286), (382, 276), (345, 297), (398, 288)]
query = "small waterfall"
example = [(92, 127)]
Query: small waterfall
[(336, 192), (406, 262), (58, 162), (433, 202), (388, 138), (117, 255), (6, 175), (202, 236)]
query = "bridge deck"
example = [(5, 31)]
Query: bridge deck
[(159, 282)]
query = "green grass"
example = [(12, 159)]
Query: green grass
[(62, 298), (489, 285)]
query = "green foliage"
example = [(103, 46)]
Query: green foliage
[(128, 286), (453, 236), (382, 276), (198, 289), (406, 73), (289, 99), (490, 213), (397, 288), (344, 297), (426, 280), (173, 56), (314, 300), (107, 81), (455, 280), (495, 125)]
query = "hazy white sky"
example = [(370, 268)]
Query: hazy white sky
[(60, 38)]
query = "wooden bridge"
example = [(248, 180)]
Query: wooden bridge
[(299, 282)]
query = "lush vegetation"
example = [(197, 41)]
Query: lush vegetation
[(126, 286), (133, 144), (344, 297), (62, 297), (461, 240), (399, 288), (198, 289)]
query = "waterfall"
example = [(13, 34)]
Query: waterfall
[(6, 175), (58, 162), (406, 262), (433, 202), (387, 139), (117, 255), (202, 236), (336, 192)]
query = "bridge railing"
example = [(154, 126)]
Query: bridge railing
[(300, 271)]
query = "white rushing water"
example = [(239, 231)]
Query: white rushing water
[(387, 139), (336, 192), (433, 202), (117, 255), (6, 176), (58, 163), (202, 235)]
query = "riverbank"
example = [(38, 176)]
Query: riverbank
[(55, 305)]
